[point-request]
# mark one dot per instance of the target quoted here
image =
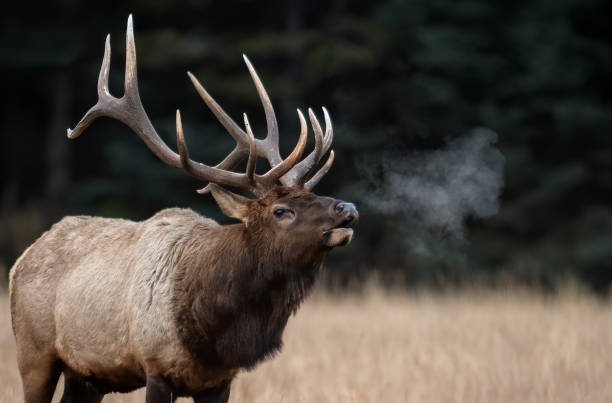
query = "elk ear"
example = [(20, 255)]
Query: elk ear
[(231, 204)]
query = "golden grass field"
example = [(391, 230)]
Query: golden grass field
[(463, 347)]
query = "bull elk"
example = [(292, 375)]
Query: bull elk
[(176, 303)]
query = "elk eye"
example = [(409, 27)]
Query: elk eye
[(279, 212)]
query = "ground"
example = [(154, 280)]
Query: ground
[(461, 347)]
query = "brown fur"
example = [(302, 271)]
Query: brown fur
[(176, 302)]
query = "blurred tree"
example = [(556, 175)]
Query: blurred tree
[(396, 75)]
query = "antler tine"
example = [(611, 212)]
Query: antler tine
[(232, 128), (180, 140), (228, 178), (131, 74), (285, 165), (329, 132), (329, 136), (264, 148), (298, 172), (242, 141), (250, 171), (316, 127), (320, 173), (268, 146), (104, 70), (302, 171), (103, 93)]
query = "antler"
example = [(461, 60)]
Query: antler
[(268, 147), (129, 110)]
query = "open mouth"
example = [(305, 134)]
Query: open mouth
[(341, 234), (348, 223)]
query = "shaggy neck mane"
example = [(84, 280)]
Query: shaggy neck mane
[(235, 291)]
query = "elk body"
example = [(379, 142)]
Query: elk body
[(177, 302)]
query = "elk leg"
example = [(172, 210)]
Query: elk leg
[(78, 391), (39, 381), (158, 391), (218, 394)]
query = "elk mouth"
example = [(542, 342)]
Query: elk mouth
[(340, 235)]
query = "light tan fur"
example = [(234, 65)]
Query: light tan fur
[(96, 293)]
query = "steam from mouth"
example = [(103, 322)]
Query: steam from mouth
[(434, 193)]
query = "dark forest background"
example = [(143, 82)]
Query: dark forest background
[(399, 78)]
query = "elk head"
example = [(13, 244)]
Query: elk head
[(284, 210)]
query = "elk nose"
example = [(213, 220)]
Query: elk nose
[(347, 210)]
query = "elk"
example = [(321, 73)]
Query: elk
[(177, 302)]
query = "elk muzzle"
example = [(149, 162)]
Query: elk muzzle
[(346, 216)]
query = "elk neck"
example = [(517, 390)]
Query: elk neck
[(234, 292)]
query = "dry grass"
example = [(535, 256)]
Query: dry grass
[(397, 348)]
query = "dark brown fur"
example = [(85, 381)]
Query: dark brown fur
[(233, 315)]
